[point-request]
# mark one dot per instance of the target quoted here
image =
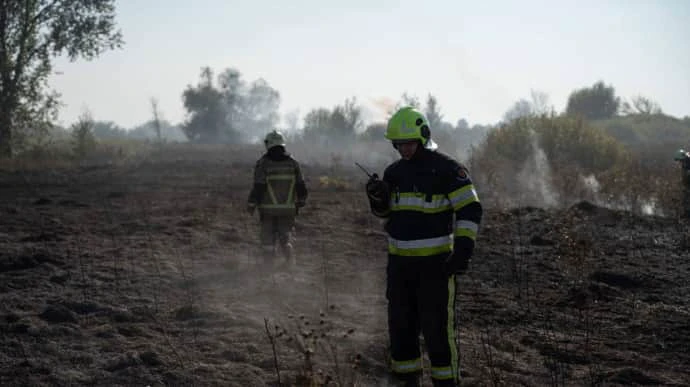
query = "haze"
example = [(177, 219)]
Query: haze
[(477, 58)]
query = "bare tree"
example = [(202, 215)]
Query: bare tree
[(641, 105), (156, 118), (540, 103)]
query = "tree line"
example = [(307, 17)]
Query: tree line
[(224, 107)]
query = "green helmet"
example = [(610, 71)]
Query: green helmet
[(681, 155), (408, 124), (274, 138)]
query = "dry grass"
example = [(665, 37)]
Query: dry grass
[(145, 274)]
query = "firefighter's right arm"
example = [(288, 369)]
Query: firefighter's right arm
[(258, 187), (378, 192)]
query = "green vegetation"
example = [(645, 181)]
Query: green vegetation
[(32, 33)]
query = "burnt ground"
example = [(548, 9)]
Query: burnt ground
[(145, 275)]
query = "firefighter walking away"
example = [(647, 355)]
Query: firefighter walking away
[(278, 192), (433, 215)]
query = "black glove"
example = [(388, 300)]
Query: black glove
[(300, 203), (459, 260), (457, 264), (251, 208), (377, 189)]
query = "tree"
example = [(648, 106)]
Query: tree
[(539, 102), (83, 139), (108, 129), (537, 105), (407, 100), (352, 113), (207, 113), (291, 119), (340, 124), (317, 121), (32, 34), (433, 112), (374, 132), (641, 105), (462, 124), (596, 102), (258, 109), (228, 110), (156, 118), (521, 108)]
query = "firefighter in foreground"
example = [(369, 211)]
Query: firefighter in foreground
[(278, 193), (433, 215), (683, 157)]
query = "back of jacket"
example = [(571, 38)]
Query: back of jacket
[(278, 185)]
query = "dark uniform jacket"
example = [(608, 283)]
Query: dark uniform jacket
[(433, 207)]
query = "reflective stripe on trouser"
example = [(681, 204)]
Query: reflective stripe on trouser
[(406, 366), (421, 299), (420, 247)]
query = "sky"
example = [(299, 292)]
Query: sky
[(477, 57)]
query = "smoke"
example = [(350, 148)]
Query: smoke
[(533, 180), (651, 207), (383, 106), (591, 183), (644, 206)]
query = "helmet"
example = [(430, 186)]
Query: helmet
[(274, 138), (681, 155), (407, 124)]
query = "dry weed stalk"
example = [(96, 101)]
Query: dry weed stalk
[(316, 343)]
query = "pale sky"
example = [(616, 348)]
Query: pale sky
[(476, 57)]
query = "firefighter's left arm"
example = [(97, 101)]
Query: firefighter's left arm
[(300, 185), (468, 211)]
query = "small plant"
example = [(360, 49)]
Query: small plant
[(83, 139), (317, 344)]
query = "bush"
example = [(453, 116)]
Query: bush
[(543, 161)]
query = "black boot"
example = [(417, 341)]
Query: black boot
[(444, 383)]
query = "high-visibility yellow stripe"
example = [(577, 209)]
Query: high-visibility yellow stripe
[(421, 247), (466, 228), (289, 202), (406, 366), (442, 373), (450, 324), (410, 201), (463, 196)]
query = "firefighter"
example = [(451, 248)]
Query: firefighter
[(683, 157), (432, 214), (278, 192)]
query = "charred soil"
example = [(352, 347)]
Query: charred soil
[(146, 275)]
